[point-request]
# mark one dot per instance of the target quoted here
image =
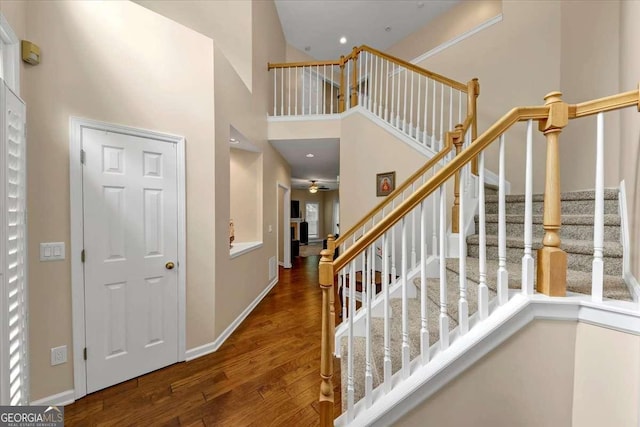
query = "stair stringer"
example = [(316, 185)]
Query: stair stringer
[(465, 351)]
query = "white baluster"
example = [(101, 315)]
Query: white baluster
[(386, 88), (358, 83), (434, 224), (331, 90), (503, 276), (275, 91), (433, 119), (324, 89), (413, 232), (369, 77), (441, 116), (460, 106), (598, 218), (282, 91), (527, 259), (483, 290), (352, 311), (450, 108), (405, 304), (368, 375), (444, 319), (426, 103), (344, 290), (397, 120), (424, 327), (289, 91), (417, 133), (296, 93), (411, 133), (463, 306), (392, 117), (303, 90), (317, 89), (404, 110), (387, 337)]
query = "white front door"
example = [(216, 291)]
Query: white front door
[(130, 239)]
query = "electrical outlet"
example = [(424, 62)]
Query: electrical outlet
[(58, 355)]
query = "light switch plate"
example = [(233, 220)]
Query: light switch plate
[(52, 251)]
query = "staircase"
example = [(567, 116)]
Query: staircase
[(578, 229)]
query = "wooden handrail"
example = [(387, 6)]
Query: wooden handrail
[(271, 66), (448, 146), (434, 76), (614, 102)]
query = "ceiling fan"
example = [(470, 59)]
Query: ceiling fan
[(314, 188)]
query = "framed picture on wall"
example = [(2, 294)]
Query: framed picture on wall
[(385, 183)]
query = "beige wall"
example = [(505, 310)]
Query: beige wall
[(240, 280), (527, 381), (91, 69), (629, 150), (606, 378), (367, 149), (227, 22), (245, 178), (330, 198), (462, 18)]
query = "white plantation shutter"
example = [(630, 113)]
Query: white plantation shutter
[(14, 292)]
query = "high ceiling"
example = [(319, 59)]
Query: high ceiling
[(315, 27), (318, 25)]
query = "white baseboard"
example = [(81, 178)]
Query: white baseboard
[(60, 399), (208, 348)]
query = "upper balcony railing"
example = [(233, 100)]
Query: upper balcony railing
[(419, 103)]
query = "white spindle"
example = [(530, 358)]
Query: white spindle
[(324, 89), (441, 116), (331, 89), (275, 91), (444, 319), (370, 90), (434, 221), (418, 78), (344, 291), (404, 109), (352, 311), (386, 89), (405, 303), (411, 133), (459, 106), (282, 91), (397, 118), (317, 91), (368, 374), (303, 90), (413, 232), (527, 259), (376, 87), (426, 110), (424, 327), (358, 83), (598, 218), (503, 276), (289, 91), (433, 119), (450, 108), (387, 337), (483, 290), (296, 93), (463, 306)]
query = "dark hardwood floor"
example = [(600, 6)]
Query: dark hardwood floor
[(266, 373)]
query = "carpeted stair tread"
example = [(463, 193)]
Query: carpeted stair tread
[(567, 219), (585, 247), (577, 281), (588, 195)]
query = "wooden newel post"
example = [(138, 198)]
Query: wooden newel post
[(552, 261), (473, 91), (354, 81), (342, 88), (326, 357), (458, 140)]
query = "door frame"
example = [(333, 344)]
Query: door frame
[(76, 125), (286, 224)]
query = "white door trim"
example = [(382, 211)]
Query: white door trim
[(286, 223), (76, 125), (10, 45)]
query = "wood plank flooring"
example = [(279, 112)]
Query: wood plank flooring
[(266, 374)]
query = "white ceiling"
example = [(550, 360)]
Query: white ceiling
[(324, 167), (319, 25)]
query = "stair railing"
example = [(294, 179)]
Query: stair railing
[(421, 104), (359, 263)]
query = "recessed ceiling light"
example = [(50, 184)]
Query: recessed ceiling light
[(310, 155), (343, 40), (387, 29)]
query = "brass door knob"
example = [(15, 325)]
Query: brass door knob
[(169, 265)]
